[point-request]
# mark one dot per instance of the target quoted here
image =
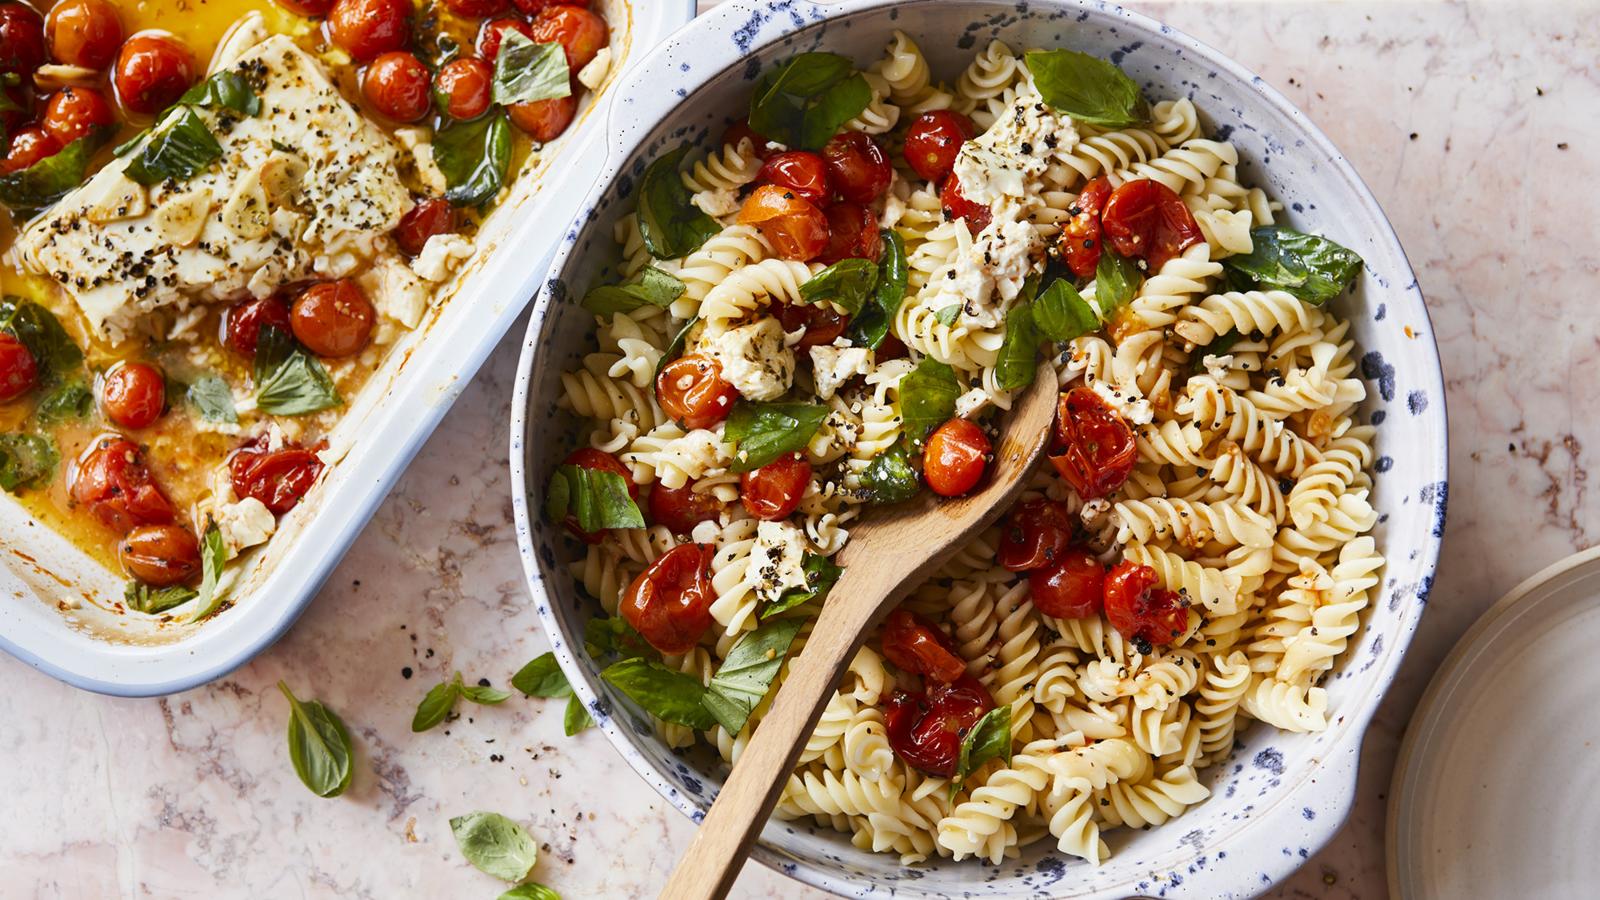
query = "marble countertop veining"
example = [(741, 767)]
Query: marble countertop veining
[(1476, 124)]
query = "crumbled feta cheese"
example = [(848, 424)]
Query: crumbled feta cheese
[(779, 556), (244, 524), (593, 75), (395, 291), (1016, 149), (717, 202), (440, 256), (973, 402), (1127, 402), (1218, 367), (832, 366), (753, 357), (418, 141)]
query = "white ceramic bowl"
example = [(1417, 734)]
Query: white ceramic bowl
[(1279, 797), (49, 616)]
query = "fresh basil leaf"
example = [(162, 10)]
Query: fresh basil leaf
[(525, 71), (542, 677), (670, 223), (847, 284), (990, 737), (821, 573), (178, 148), (225, 90), (832, 108), (803, 102), (213, 398), (869, 327), (1060, 314), (319, 746), (26, 461), (482, 694), (1019, 349), (891, 476), (474, 158), (746, 674), (436, 705), (1087, 88), (596, 498), (949, 314), (495, 844), (531, 891), (290, 381), (575, 718), (652, 287), (273, 348), (40, 331), (1219, 346), (927, 398), (762, 432), (69, 402), (141, 597), (606, 636), (1116, 280), (213, 556), (1310, 267), (669, 696), (675, 348), (49, 179)]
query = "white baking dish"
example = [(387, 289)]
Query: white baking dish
[(55, 602)]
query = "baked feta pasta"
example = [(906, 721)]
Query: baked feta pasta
[(823, 313), (203, 262)]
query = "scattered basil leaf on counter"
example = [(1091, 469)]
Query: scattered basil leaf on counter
[(495, 844), (670, 224), (213, 398), (319, 746), (1087, 88), (530, 891), (474, 158), (675, 348), (847, 284), (1219, 346), (1116, 280), (803, 102), (1019, 348), (869, 327), (213, 556), (525, 71), (436, 705), (49, 179), (892, 477), (542, 677), (1060, 313), (53, 350), (927, 398), (821, 573), (746, 674), (26, 460), (69, 402), (669, 696), (482, 694), (762, 432), (290, 381), (597, 499), (141, 597), (179, 147), (989, 738), (575, 718), (652, 287), (949, 314), (1310, 267), (225, 90)]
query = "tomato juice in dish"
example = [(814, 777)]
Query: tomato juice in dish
[(216, 220)]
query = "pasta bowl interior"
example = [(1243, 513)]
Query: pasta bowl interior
[(1324, 624)]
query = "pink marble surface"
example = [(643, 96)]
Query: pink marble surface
[(1476, 124)]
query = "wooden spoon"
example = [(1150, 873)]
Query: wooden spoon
[(890, 552)]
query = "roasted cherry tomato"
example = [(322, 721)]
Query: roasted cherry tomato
[(590, 458), (1036, 534), (19, 372), (955, 457), (1146, 219), (957, 206), (112, 483), (681, 509), (428, 218), (1080, 237), (133, 395), (919, 647), (21, 40), (397, 85), (740, 131), (367, 28), (333, 319), (278, 478), (934, 140), (1139, 609), (241, 327), (544, 120), (29, 146), (465, 87), (84, 33), (160, 555), (692, 392), (476, 9), (669, 604), (822, 322), (153, 71), (16, 109), (852, 233), (1070, 587), (773, 491), (1092, 447), (925, 729), (804, 173), (580, 33), (311, 9), (857, 167), (534, 7), (795, 228), (493, 32), (75, 112)]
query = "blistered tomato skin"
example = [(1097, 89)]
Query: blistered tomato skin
[(18, 370), (465, 87), (956, 455), (111, 481), (669, 603), (773, 491), (681, 509), (160, 555), (857, 167), (1069, 588), (852, 233), (1081, 238), (76, 112), (428, 218), (804, 173), (277, 478), (1035, 534), (493, 33), (1138, 607), (397, 85), (925, 729), (477, 9), (796, 229), (918, 646), (241, 327), (534, 7), (590, 458), (693, 393), (544, 120), (333, 319), (84, 33), (1092, 446), (29, 147), (822, 323), (133, 395), (580, 33), (957, 206), (153, 71), (934, 141), (21, 40), (365, 29), (1145, 219)]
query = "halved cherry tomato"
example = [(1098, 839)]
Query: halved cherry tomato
[(333, 319), (955, 457), (925, 729), (804, 173), (83, 33), (852, 233), (428, 218), (1139, 609), (580, 33), (160, 555), (857, 167), (311, 9), (476, 9), (366, 28), (494, 31), (544, 120), (111, 481), (241, 327), (29, 146), (534, 7), (692, 392), (669, 604), (934, 140), (1146, 219), (75, 112), (1092, 447), (153, 71), (1036, 534), (822, 322), (590, 458), (1069, 588), (397, 85), (19, 372), (957, 206), (465, 87), (773, 491), (134, 395), (796, 229), (278, 478), (919, 647), (681, 509), (21, 40), (740, 131), (1080, 237)]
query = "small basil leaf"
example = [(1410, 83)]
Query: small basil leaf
[(179, 147), (575, 718), (747, 672), (1116, 280), (803, 102), (531, 891), (474, 158), (1061, 313), (319, 746), (652, 287), (1219, 346), (597, 499), (1310, 267), (821, 573), (869, 327), (41, 332), (990, 737), (484, 695), (273, 347), (525, 71), (669, 696), (26, 461), (436, 705), (847, 283), (213, 556), (891, 477), (675, 348), (495, 844), (224, 90), (1087, 88), (671, 225), (613, 636), (213, 399), (1018, 349), (832, 108), (49, 179), (290, 381), (927, 398), (762, 432), (69, 402), (949, 314), (141, 597), (542, 677)]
